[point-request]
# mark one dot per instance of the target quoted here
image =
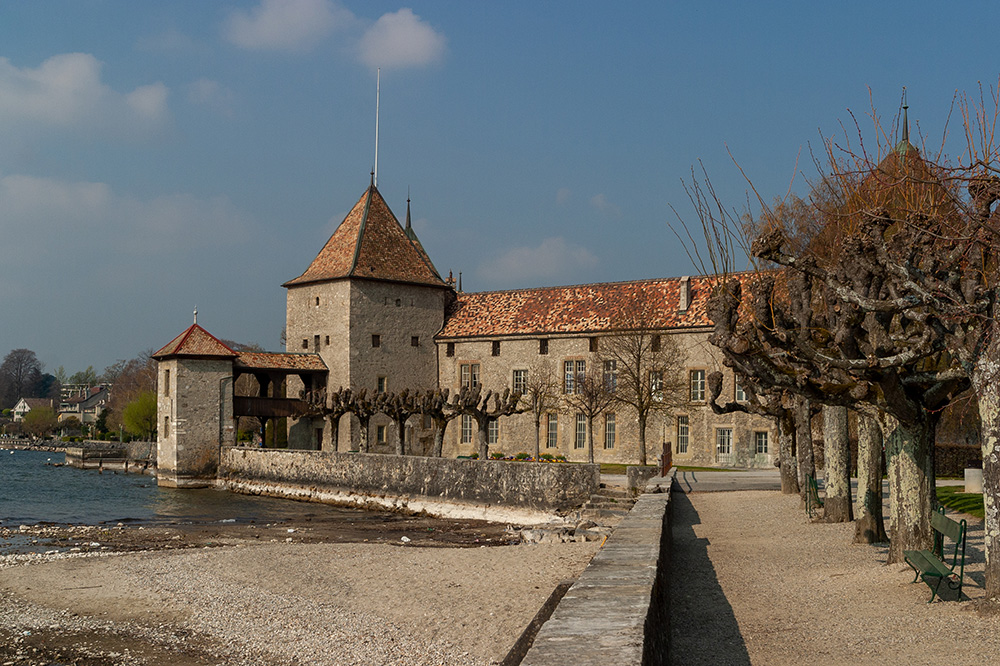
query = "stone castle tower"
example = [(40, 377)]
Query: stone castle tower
[(369, 304)]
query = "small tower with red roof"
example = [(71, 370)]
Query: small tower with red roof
[(194, 408)]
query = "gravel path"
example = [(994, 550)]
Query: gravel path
[(754, 582), (288, 603)]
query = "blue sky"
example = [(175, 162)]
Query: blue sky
[(160, 156)]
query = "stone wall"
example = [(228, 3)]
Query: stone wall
[(517, 433), (618, 611), (523, 493)]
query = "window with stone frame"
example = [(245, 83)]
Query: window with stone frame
[(495, 348), (697, 384), (519, 381), (760, 442), (381, 434), (449, 349), (724, 445), (552, 430), (467, 429), (381, 384), (611, 375), (468, 375), (376, 340), (609, 431), (573, 373), (683, 433), (656, 385), (580, 436), (543, 346), (740, 394), (493, 432)]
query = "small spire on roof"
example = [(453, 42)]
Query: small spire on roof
[(371, 183), (460, 280), (196, 314), (408, 208)]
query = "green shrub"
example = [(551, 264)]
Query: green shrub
[(496, 455), (522, 456)]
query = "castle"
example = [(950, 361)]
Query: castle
[(372, 312)]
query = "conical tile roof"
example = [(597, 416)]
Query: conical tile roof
[(195, 341), (371, 244)]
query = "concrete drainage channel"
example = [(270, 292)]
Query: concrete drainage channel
[(617, 612)]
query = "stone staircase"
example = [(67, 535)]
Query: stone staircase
[(609, 503)]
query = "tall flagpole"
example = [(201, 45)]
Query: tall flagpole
[(378, 76)]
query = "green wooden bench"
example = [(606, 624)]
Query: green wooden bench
[(932, 565), (813, 501)]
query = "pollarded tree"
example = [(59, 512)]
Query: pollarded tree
[(400, 407), (486, 410), (435, 404), (364, 408)]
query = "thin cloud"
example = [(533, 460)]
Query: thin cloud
[(601, 203), (554, 258), (67, 91), (401, 39), (284, 25), (213, 95)]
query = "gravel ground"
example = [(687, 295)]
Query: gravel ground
[(755, 582), (278, 603)]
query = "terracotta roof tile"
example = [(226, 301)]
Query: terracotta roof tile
[(371, 244), (279, 361), (195, 341), (585, 308)]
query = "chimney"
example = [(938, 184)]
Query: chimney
[(684, 301)]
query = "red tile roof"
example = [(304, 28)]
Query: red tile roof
[(279, 361), (195, 341), (370, 244), (585, 308)]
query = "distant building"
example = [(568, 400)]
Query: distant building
[(85, 405), (25, 405), (373, 313)]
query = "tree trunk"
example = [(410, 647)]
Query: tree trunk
[(837, 507), (401, 437), (804, 444), (335, 431), (440, 426), (984, 382), (786, 454), (538, 445), (590, 440), (481, 434), (870, 527), (642, 439), (911, 485), (363, 432)]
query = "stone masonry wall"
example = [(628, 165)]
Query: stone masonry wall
[(517, 433), (519, 492)]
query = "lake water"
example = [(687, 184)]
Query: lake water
[(33, 490)]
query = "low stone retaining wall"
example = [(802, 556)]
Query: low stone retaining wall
[(618, 611), (501, 491)]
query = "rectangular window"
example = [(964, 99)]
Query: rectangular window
[(317, 301), (469, 375), (552, 431), (760, 442), (166, 383), (697, 378), (593, 345), (609, 431), (376, 340), (520, 381), (654, 344), (496, 348), (449, 349), (381, 384), (166, 426), (466, 429), (724, 445), (380, 434), (611, 375), (574, 372), (543, 346), (493, 432), (580, 438), (741, 395), (328, 341), (316, 343), (305, 343), (683, 433), (415, 341), (656, 385)]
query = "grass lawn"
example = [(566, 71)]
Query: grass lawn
[(616, 468), (956, 500), (686, 468)]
